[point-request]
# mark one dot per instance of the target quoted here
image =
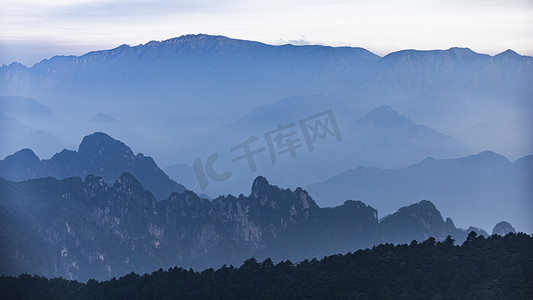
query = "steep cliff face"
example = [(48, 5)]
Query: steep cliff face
[(88, 229)]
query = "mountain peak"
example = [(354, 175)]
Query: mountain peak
[(103, 118), (25, 154), (259, 185), (99, 143), (194, 40), (503, 228), (426, 204), (128, 184), (384, 116), (489, 156), (460, 52), (508, 54), (412, 54), (422, 209)]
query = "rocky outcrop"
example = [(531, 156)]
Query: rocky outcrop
[(98, 154), (88, 229), (503, 228)]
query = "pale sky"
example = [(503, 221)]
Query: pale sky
[(31, 30)]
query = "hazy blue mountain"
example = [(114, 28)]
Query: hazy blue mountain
[(384, 137), (455, 69), (82, 229), (23, 107), (103, 118), (192, 66), (187, 87), (195, 63), (15, 135), (404, 224), (12, 125), (479, 189), (288, 110), (98, 154), (381, 137), (503, 228)]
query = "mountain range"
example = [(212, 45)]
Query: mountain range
[(171, 95), (81, 229), (16, 115), (277, 71), (479, 189), (98, 154), (381, 137), (102, 210)]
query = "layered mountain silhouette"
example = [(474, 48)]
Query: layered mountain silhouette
[(503, 228), (103, 118), (19, 122), (385, 137), (274, 70), (186, 82), (381, 137), (98, 154), (477, 189), (81, 229), (23, 107)]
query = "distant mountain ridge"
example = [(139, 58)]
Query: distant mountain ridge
[(98, 154), (88, 229), (381, 137), (19, 117), (387, 135), (477, 189), (185, 83), (241, 70)]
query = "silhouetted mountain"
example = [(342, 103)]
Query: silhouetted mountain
[(288, 110), (478, 189), (405, 224), (98, 154), (503, 228), (23, 107), (101, 117), (196, 63), (382, 137), (196, 66), (15, 135), (185, 82), (386, 137), (82, 229)]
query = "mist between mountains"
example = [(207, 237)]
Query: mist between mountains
[(285, 139)]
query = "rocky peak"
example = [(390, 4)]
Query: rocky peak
[(128, 186), (450, 226), (507, 55), (460, 53), (95, 185), (21, 165), (25, 155), (422, 208), (189, 204), (503, 228), (306, 202), (488, 156), (99, 143), (260, 187)]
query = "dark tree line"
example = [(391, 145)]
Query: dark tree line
[(481, 268)]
